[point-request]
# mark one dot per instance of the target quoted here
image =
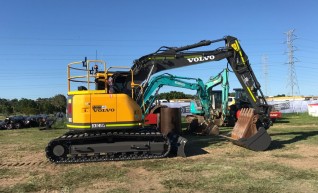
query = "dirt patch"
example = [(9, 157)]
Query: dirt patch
[(262, 174), (300, 157), (7, 182), (100, 186), (33, 157), (307, 159), (25, 159), (138, 180), (142, 180)]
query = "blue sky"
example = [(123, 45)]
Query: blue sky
[(39, 38)]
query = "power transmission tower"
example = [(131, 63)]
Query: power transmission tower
[(265, 72), (292, 78)]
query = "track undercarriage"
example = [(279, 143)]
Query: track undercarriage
[(78, 147)]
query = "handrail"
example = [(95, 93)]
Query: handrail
[(87, 73), (85, 66)]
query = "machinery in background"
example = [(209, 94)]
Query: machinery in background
[(218, 102), (204, 108), (241, 101)]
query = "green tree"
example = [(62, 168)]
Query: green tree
[(5, 107), (26, 106), (14, 104), (59, 102), (172, 95), (29, 106), (45, 106), (280, 95)]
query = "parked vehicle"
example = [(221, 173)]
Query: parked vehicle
[(31, 121), (14, 122), (19, 122), (2, 125)]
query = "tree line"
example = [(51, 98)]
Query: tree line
[(180, 95), (175, 95), (32, 107), (57, 104)]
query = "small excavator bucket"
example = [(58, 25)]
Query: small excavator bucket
[(246, 134), (181, 146)]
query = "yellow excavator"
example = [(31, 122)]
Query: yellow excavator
[(105, 114)]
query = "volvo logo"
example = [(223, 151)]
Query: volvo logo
[(100, 108), (201, 58)]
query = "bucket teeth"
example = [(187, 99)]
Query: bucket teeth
[(246, 134), (245, 126), (181, 146)]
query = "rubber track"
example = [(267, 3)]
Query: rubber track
[(74, 138)]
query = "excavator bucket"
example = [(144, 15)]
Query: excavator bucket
[(246, 134), (181, 146)]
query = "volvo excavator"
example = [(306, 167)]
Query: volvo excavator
[(106, 122)]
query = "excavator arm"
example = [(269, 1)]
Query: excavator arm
[(250, 129), (166, 79), (220, 79)]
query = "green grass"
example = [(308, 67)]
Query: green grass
[(29, 138), (298, 119), (216, 165), (69, 179), (296, 129), (227, 175)]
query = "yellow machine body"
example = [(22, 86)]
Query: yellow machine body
[(99, 110)]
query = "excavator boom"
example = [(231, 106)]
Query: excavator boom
[(166, 58), (171, 57)]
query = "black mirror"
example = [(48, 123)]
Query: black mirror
[(85, 62), (91, 71)]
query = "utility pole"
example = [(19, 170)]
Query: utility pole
[(292, 78), (265, 72)]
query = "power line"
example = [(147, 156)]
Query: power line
[(265, 72)]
